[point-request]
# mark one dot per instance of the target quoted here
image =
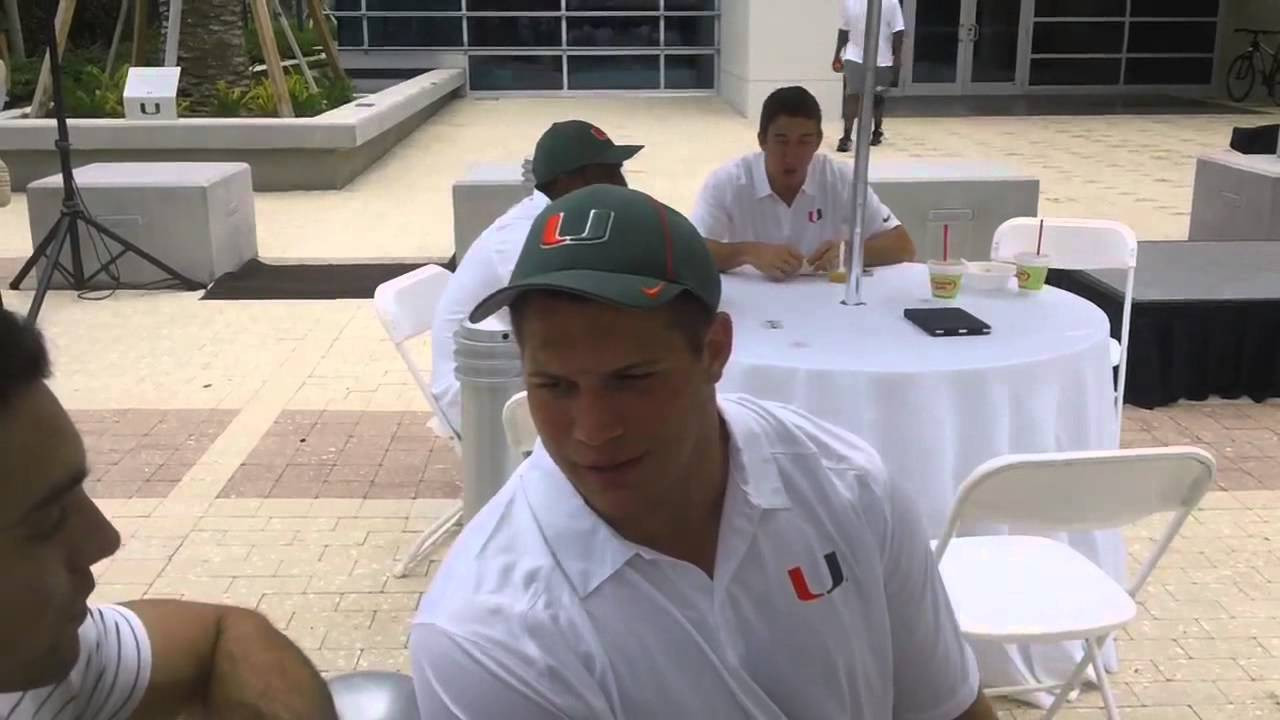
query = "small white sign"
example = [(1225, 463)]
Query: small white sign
[(151, 93)]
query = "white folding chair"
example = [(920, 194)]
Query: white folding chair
[(1078, 244), (406, 305), (1028, 589), (518, 423)]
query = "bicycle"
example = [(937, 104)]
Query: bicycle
[(1244, 70)]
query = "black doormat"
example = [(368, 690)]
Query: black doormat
[(1032, 105), (257, 280)]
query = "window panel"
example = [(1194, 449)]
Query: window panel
[(391, 31), (1077, 37), (691, 31), (412, 5), (350, 31), (1080, 8), (513, 31), (513, 6), (607, 31), (1168, 71), (691, 72), (516, 72), (614, 72), (1075, 71), (1175, 8), (610, 5), (1172, 37), (691, 5), (347, 6)]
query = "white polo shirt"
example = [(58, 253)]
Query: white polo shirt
[(108, 680), (485, 268), (826, 602), (853, 18), (737, 204)]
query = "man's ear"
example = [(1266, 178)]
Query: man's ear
[(719, 345)]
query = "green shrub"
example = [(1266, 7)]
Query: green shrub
[(94, 94), (260, 99), (227, 101)]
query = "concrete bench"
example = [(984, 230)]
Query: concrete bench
[(972, 198), (481, 197), (1236, 197), (197, 217)]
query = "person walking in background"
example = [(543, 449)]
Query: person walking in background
[(848, 60)]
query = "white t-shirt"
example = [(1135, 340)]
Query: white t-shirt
[(485, 268), (854, 19), (737, 204), (108, 680), (826, 601)]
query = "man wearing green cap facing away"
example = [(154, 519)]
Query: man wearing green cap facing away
[(569, 155), (666, 553)]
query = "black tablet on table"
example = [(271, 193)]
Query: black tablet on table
[(946, 321)]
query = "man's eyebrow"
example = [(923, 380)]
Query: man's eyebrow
[(54, 494)]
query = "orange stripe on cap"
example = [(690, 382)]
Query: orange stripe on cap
[(666, 233)]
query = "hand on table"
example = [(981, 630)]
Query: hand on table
[(779, 262), (825, 259)]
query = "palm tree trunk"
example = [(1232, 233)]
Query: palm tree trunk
[(212, 49)]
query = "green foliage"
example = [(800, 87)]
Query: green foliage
[(91, 93), (22, 81), (227, 101), (260, 100)]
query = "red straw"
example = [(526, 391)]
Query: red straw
[(946, 242), (1040, 237)]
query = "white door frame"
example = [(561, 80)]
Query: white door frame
[(963, 85)]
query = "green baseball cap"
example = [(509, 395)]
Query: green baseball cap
[(615, 245), (569, 145)]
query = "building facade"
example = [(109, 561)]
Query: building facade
[(742, 49)]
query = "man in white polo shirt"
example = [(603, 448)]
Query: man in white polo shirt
[(668, 554), (789, 207), (569, 155), (64, 659)]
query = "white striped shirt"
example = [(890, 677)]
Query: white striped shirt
[(108, 680)]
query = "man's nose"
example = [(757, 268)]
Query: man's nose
[(595, 421)]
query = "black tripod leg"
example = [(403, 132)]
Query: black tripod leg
[(36, 254), (51, 261), (187, 282)]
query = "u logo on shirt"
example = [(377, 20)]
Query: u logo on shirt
[(800, 583), (815, 216)]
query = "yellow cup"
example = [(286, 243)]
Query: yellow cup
[(1032, 271), (945, 277)]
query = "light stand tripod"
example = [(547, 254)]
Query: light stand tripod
[(66, 231)]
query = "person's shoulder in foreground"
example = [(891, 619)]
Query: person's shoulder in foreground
[(64, 659), (663, 551)]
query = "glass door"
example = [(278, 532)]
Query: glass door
[(966, 46), (993, 42)]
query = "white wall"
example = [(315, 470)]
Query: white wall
[(767, 44)]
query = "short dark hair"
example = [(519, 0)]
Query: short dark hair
[(686, 314), (24, 359), (793, 101)]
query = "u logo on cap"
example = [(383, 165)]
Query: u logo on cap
[(599, 225)]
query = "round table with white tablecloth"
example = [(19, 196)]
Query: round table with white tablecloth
[(936, 407)]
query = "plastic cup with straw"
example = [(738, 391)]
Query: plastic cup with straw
[(1033, 268), (945, 275)]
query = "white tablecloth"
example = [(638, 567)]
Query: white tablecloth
[(936, 408)]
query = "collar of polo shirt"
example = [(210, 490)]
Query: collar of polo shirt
[(590, 551)]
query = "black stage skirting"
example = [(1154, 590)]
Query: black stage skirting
[(1206, 319)]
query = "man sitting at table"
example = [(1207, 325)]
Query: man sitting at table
[(64, 659), (789, 206), (569, 155), (668, 553)]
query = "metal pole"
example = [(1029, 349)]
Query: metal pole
[(173, 34), (855, 258)]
